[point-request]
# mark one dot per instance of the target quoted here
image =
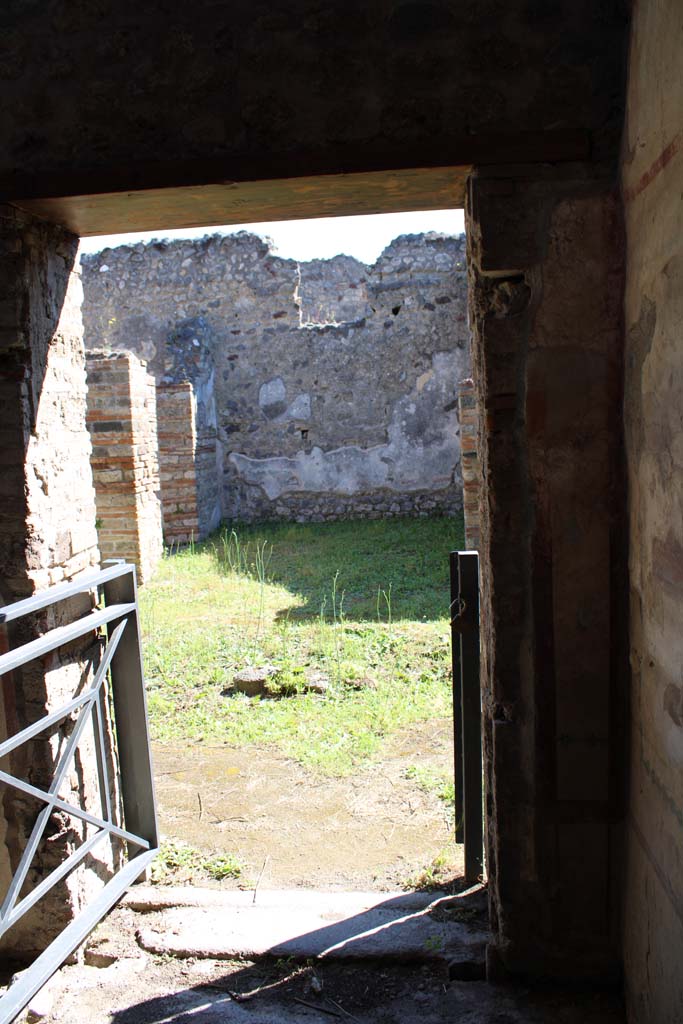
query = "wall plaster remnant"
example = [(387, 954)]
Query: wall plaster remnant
[(327, 388), (415, 458)]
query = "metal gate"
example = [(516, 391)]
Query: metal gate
[(465, 639), (119, 676)]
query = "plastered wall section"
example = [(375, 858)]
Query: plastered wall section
[(652, 171), (122, 420), (47, 535)]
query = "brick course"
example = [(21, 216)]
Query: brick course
[(122, 420), (469, 455), (177, 462)]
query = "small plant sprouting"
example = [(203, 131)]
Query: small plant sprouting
[(338, 626), (386, 595), (234, 555), (179, 861), (262, 560)]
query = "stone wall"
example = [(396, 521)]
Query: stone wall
[(652, 172), (331, 386), (47, 535), (122, 420)]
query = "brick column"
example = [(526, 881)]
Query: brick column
[(177, 462), (122, 420), (546, 272)]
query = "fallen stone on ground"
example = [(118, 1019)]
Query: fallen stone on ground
[(254, 680), (316, 682)]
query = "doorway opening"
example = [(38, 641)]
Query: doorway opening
[(312, 627), (384, 617)]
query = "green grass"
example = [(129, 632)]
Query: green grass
[(180, 862), (430, 780), (358, 601)]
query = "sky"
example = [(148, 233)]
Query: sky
[(320, 238)]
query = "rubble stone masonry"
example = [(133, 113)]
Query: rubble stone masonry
[(122, 421), (322, 390)]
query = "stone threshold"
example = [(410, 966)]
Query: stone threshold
[(305, 924)]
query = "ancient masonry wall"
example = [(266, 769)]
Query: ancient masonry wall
[(122, 421), (189, 483), (47, 535), (322, 390), (652, 180)]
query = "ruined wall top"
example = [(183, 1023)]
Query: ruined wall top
[(163, 299), (330, 385)]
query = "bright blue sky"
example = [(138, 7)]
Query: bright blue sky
[(362, 237)]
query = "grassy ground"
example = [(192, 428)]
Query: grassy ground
[(364, 602)]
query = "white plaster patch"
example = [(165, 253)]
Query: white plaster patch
[(409, 461)]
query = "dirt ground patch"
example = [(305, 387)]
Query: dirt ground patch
[(138, 989), (379, 828)]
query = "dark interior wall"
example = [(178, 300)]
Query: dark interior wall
[(546, 270), (260, 89), (652, 173)]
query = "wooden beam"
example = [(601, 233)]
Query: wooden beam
[(230, 202)]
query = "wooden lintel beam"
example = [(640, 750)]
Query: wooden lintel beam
[(185, 206)]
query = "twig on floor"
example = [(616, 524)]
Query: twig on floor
[(271, 987), (240, 997), (316, 1006), (201, 809), (258, 880), (345, 1012)]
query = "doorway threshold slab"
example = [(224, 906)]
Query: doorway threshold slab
[(305, 924)]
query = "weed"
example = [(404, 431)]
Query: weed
[(222, 865), (430, 780), (437, 875), (180, 862), (439, 783)]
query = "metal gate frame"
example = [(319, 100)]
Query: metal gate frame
[(121, 662), (467, 719)]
